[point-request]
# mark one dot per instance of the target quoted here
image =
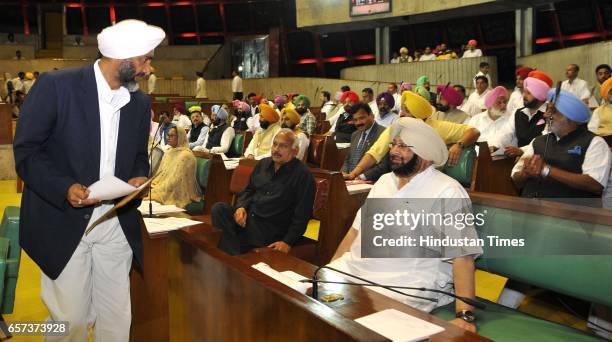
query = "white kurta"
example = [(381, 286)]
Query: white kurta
[(430, 57), (386, 120), (488, 128), (417, 272), (237, 84), (398, 102), (578, 87), (94, 287), (472, 53), (475, 103), (200, 88), (515, 102), (507, 135), (182, 121), (374, 108), (151, 82)]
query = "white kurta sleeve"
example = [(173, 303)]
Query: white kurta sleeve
[(226, 141), (596, 162), (594, 122), (527, 153), (201, 138)]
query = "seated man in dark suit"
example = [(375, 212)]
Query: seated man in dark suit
[(363, 138), (276, 205)]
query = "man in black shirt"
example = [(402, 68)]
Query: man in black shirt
[(276, 205)]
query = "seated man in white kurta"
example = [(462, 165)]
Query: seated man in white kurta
[(415, 153)]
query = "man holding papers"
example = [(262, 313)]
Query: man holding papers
[(78, 126)]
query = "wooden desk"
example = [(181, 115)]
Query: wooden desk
[(324, 154), (217, 189), (217, 297), (493, 173)]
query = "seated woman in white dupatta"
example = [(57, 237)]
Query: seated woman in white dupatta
[(415, 153), (175, 182)]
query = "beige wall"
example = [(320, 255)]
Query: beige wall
[(220, 89), (324, 12), (162, 52), (586, 56), (7, 51), (457, 71)]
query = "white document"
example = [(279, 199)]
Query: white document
[(110, 188), (162, 225), (341, 146), (288, 278), (358, 188), (159, 208), (399, 326)]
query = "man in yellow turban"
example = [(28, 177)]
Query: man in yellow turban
[(261, 144), (291, 119), (601, 121), (454, 134)]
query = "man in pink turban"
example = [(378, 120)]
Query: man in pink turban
[(448, 101), (471, 50), (491, 122), (527, 123)]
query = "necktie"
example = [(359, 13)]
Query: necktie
[(358, 152)]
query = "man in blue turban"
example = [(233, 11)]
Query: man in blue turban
[(568, 162)]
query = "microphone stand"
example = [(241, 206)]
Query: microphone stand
[(153, 146), (315, 294), (549, 123)]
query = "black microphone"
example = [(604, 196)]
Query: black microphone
[(315, 281), (153, 146)]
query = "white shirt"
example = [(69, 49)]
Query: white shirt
[(398, 102), (417, 272), (328, 107), (515, 102), (488, 128), (578, 87), (480, 73), (201, 137), (182, 121), (507, 135), (226, 142), (17, 84), (374, 108), (27, 84), (430, 57), (475, 103), (253, 123), (237, 84), (596, 162), (200, 88), (151, 83), (472, 53), (303, 143), (387, 120), (394, 60), (110, 103)]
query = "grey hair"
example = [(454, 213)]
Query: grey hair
[(295, 143)]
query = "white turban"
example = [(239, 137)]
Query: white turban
[(129, 38), (423, 140)]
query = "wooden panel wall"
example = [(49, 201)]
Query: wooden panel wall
[(457, 71)]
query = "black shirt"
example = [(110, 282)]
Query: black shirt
[(279, 203)]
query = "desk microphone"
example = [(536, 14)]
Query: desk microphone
[(315, 288)]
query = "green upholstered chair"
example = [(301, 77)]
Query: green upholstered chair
[(463, 171), (237, 146), (202, 170), (10, 256), (587, 277)]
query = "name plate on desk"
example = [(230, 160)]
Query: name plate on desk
[(288, 278)]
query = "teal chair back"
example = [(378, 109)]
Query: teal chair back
[(463, 171), (202, 171), (237, 146), (9, 231), (588, 277)]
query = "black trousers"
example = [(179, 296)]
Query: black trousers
[(235, 239), (238, 96)]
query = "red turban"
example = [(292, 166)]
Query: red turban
[(523, 72), (257, 99), (472, 42), (542, 77), (352, 96)]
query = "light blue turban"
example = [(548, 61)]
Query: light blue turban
[(570, 106)]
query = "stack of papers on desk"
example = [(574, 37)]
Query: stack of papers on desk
[(158, 208), (288, 278), (358, 186), (166, 224), (399, 326), (341, 146), (230, 163)]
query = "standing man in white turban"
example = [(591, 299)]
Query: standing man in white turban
[(76, 127), (416, 151)]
